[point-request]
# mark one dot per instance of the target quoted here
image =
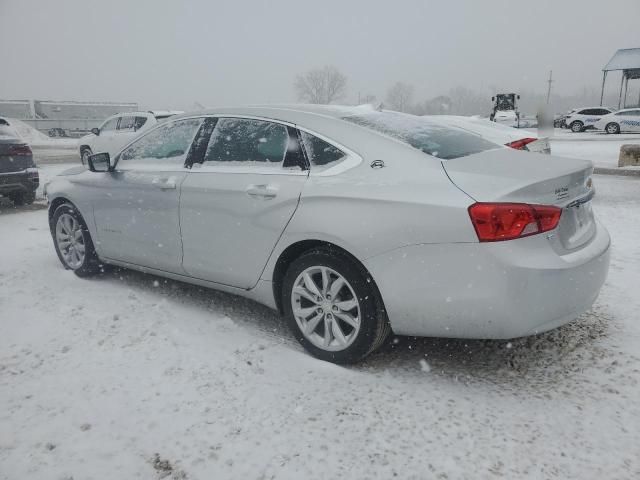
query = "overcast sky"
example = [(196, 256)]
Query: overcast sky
[(174, 53)]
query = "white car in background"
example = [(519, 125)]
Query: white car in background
[(118, 130), (584, 118), (496, 133), (627, 120)]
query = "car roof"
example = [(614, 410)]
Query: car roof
[(599, 106), (289, 112), (322, 120)]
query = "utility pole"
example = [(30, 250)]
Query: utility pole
[(549, 82)]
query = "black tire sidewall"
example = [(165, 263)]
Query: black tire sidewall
[(18, 198), (90, 263), (576, 123), (612, 123), (82, 155), (363, 287)]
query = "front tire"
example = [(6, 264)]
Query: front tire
[(612, 128), (84, 155), (577, 126), (73, 242), (333, 307)]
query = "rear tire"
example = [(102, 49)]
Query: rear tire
[(347, 309), (22, 198), (577, 126), (612, 128), (72, 241)]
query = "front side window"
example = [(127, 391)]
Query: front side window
[(169, 143), (240, 141), (109, 125), (319, 152), (126, 123), (431, 138)]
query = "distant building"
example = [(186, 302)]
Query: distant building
[(63, 118), (20, 109)]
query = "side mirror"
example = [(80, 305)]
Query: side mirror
[(518, 97), (95, 131), (99, 162), (493, 98)]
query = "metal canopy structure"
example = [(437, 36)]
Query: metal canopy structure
[(627, 60)]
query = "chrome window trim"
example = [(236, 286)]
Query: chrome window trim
[(231, 169), (117, 162)]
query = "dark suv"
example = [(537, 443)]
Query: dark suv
[(18, 174)]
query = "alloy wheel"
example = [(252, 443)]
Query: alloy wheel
[(70, 240), (326, 308), (612, 128)]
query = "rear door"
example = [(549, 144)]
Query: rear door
[(236, 203), (136, 207), (125, 133), (630, 121)]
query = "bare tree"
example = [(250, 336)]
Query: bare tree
[(368, 98), (321, 85), (399, 97)]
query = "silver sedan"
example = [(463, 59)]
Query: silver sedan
[(352, 222)]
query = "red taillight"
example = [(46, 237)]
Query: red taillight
[(505, 221), (521, 144), (18, 150)]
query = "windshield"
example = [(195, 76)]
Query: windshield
[(429, 137)]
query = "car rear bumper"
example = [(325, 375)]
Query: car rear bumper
[(22, 181), (489, 290)]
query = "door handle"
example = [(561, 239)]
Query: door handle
[(164, 183), (265, 192)]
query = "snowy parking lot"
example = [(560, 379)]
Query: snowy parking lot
[(133, 376)]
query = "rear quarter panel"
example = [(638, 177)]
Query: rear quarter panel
[(369, 211)]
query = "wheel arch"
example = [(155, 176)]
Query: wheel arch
[(55, 203), (294, 251)]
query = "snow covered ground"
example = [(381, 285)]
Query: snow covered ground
[(600, 148), (133, 376)]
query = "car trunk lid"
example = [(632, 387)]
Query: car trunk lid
[(506, 175)]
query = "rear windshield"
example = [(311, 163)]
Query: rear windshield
[(8, 133), (434, 139)]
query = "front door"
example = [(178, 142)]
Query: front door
[(104, 141), (136, 207), (238, 201)]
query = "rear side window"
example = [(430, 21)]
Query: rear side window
[(169, 143), (240, 141), (126, 123), (433, 139), (139, 122), (319, 152)]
